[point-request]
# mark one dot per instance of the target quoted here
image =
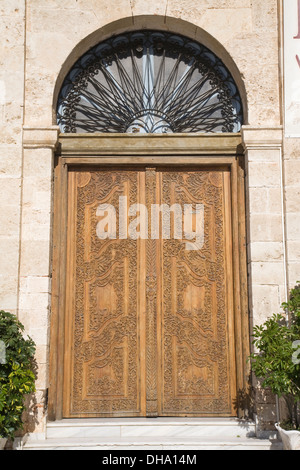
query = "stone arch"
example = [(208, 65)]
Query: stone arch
[(159, 23)]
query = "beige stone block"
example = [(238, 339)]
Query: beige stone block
[(43, 199), (34, 198), (267, 273), (10, 162), (263, 100), (34, 216), (9, 137), (265, 228), (36, 231), (39, 335), (84, 18), (294, 273), (275, 197), (40, 84), (142, 7), (258, 200), (265, 155), (9, 221), (42, 377), (34, 186), (292, 172), (263, 174), (223, 23), (34, 285), (38, 162), (8, 292), (292, 148), (292, 195), (13, 8), (293, 226), (10, 190), (266, 251), (31, 301), (264, 15), (55, 4), (265, 200), (35, 258), (23, 284), (9, 256), (11, 131), (13, 52), (10, 94), (294, 251), (41, 354), (37, 114), (37, 329), (24, 318), (265, 301)]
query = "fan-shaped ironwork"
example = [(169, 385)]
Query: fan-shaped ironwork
[(150, 82)]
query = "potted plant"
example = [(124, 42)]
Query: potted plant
[(277, 362), (17, 378)]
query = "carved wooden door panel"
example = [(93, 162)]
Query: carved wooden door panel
[(149, 320), (103, 339), (197, 336)]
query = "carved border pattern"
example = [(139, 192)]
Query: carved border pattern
[(151, 305)]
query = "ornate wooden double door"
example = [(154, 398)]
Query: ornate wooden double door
[(149, 325)]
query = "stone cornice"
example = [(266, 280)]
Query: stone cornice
[(252, 138), (40, 137), (262, 137)]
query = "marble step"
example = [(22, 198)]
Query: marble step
[(153, 443), (151, 434), (156, 428)]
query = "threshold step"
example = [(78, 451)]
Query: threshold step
[(157, 428), (140, 443)]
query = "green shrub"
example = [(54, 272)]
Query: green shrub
[(275, 361), (17, 378)]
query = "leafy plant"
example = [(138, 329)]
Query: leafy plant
[(17, 378), (275, 360)]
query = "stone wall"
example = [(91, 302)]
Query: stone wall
[(246, 29), (12, 28), (292, 206), (244, 33), (291, 112)]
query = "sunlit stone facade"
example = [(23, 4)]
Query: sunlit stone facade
[(42, 39)]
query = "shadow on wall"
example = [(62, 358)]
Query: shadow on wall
[(36, 408)]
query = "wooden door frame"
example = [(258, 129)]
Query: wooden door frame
[(214, 150)]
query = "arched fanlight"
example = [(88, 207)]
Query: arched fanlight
[(149, 82)]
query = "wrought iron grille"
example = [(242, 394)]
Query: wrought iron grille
[(149, 82)]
